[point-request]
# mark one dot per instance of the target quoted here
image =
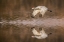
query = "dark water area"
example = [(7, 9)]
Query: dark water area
[(12, 10), (12, 33)]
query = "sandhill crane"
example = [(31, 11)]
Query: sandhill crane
[(39, 35), (39, 9)]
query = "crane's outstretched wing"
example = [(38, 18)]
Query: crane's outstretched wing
[(35, 32), (41, 35)]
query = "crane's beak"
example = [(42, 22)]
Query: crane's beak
[(32, 27), (35, 8)]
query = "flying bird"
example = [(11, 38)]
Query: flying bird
[(40, 9), (39, 35)]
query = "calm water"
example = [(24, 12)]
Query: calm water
[(16, 21)]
